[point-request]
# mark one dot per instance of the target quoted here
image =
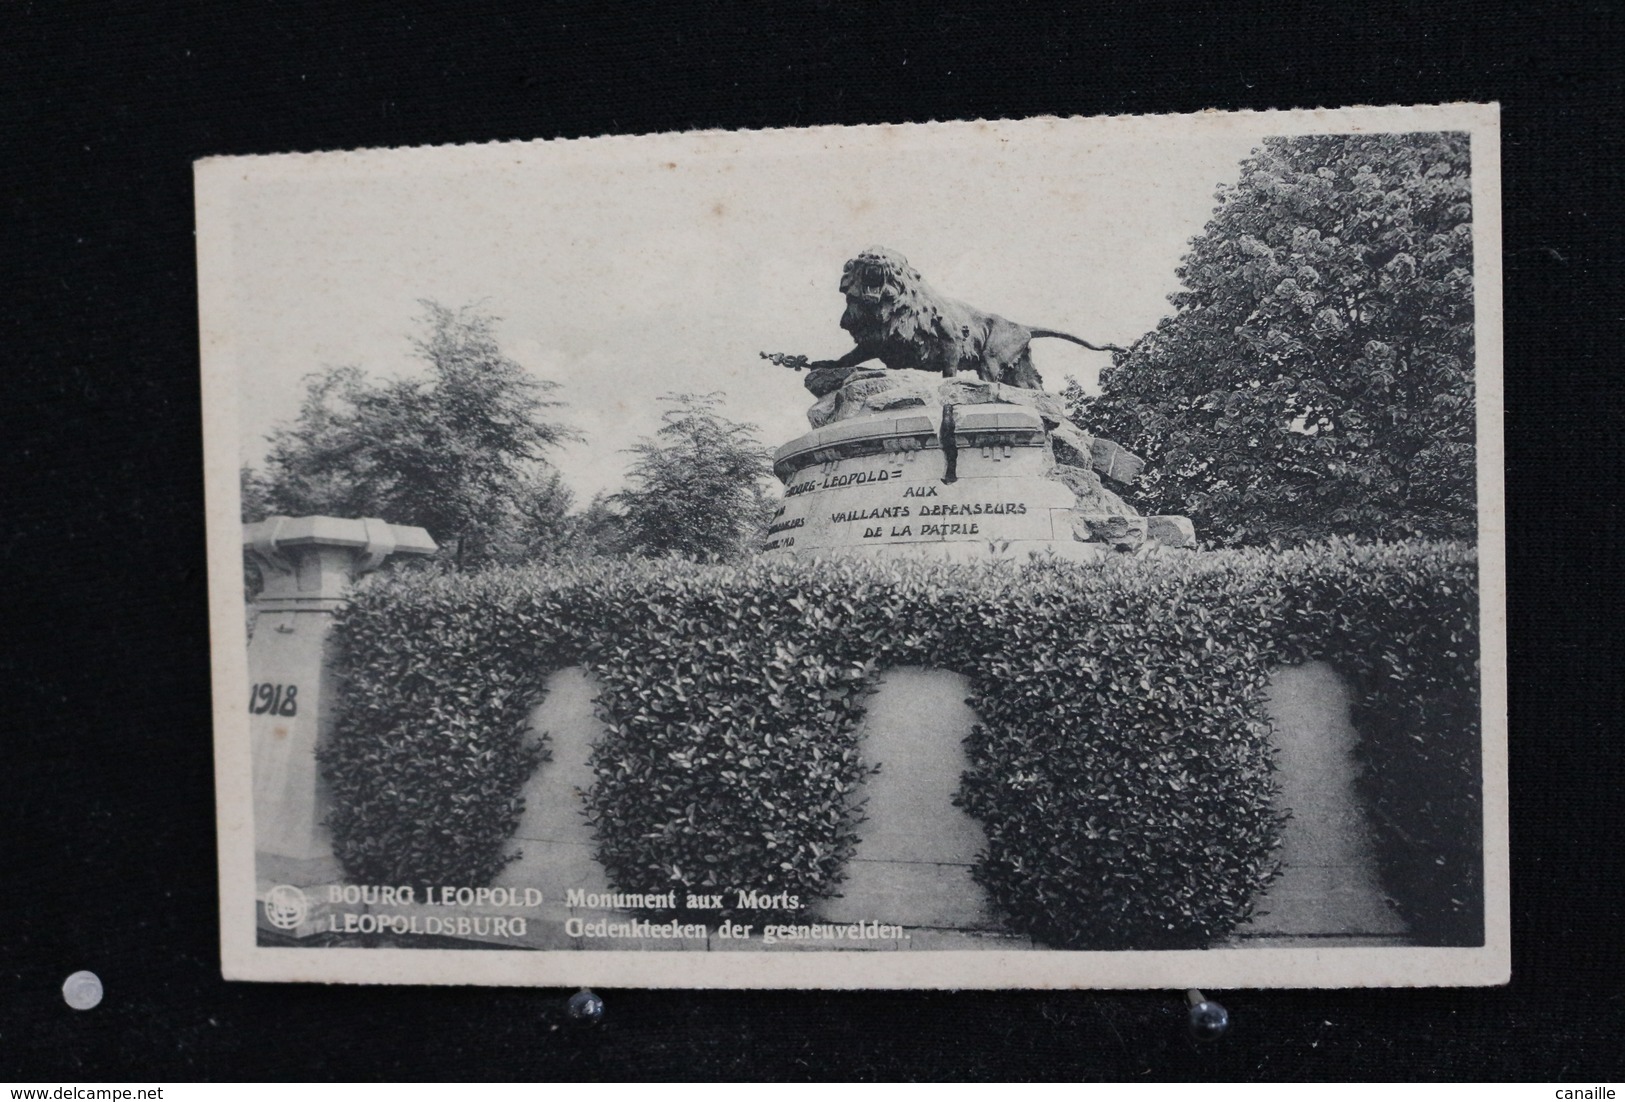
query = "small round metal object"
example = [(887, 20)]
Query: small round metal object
[(1209, 1020), (82, 990), (584, 1008)]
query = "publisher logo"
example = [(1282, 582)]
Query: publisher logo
[(286, 907)]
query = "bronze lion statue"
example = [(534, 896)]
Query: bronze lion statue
[(895, 317)]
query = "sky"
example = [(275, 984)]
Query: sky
[(626, 268)]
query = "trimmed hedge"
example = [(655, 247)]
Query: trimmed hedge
[(1122, 768)]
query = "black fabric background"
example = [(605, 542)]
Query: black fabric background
[(109, 835)]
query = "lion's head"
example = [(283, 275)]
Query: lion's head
[(883, 294)]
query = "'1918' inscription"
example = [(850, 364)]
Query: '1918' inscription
[(275, 700)]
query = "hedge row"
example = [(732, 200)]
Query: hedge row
[(1122, 768)]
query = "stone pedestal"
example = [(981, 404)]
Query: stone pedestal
[(307, 563), (903, 464), (881, 486)]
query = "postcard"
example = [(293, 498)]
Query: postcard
[(1047, 553)]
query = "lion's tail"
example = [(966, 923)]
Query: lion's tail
[(1077, 340)]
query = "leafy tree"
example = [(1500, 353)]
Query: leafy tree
[(601, 529), (536, 523), (696, 489), (256, 505), (461, 452), (256, 495), (1317, 376)]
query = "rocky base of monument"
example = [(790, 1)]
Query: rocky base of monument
[(903, 463)]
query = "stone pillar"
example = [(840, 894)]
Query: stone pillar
[(913, 864), (308, 564), (556, 846), (1329, 893)]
